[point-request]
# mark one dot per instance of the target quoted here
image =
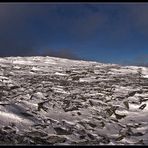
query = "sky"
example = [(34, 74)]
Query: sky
[(103, 32)]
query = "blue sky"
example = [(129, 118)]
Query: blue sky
[(103, 32)]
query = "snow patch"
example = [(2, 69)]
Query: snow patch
[(61, 74)]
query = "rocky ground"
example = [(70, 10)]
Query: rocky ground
[(53, 101)]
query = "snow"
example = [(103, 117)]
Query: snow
[(35, 69), (12, 117), (61, 74), (145, 76), (95, 103), (60, 90)]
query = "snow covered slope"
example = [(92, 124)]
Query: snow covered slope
[(47, 100)]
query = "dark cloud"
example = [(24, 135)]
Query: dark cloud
[(26, 28), (21, 27), (92, 7), (86, 27), (138, 13), (125, 26), (34, 25)]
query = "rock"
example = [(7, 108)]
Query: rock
[(41, 106), (90, 136), (52, 139), (38, 96), (14, 86), (126, 104), (72, 108), (62, 131), (36, 133), (120, 137), (92, 124), (130, 94), (118, 116), (140, 142), (105, 140), (142, 106), (79, 113)]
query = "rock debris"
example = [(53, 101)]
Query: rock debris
[(54, 101)]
